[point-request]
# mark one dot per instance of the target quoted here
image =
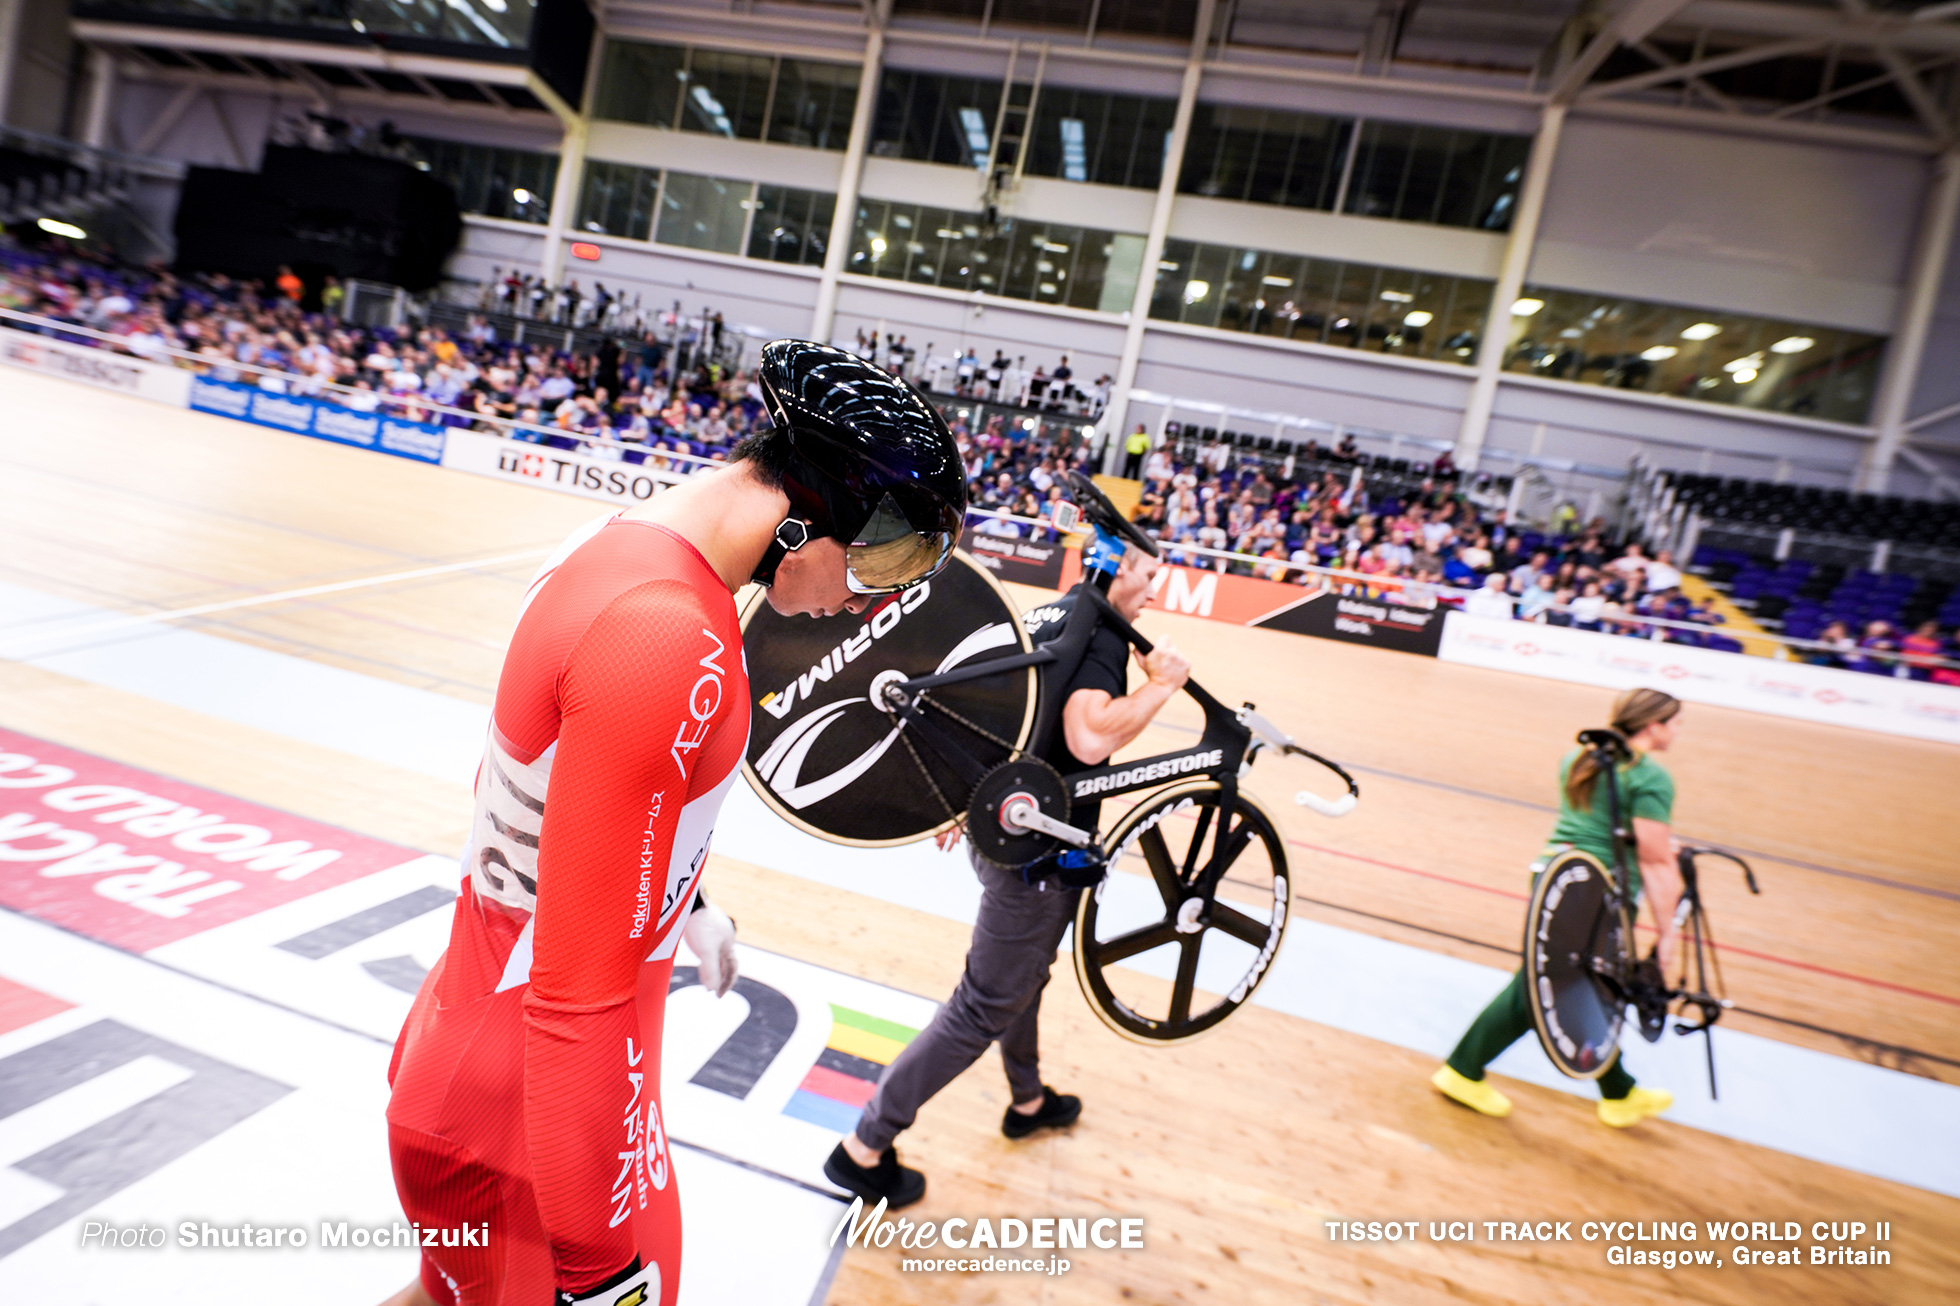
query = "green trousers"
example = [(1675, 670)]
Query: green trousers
[(1506, 1020)]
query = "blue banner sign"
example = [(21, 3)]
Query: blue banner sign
[(323, 421)]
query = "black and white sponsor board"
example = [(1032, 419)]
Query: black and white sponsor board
[(1380, 622), (96, 367), (608, 480), (1025, 561)]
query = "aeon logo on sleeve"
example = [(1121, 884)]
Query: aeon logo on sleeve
[(883, 622), (703, 701)]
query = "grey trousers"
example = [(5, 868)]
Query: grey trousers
[(998, 998)]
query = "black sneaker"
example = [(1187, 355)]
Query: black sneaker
[(1058, 1111), (888, 1181)]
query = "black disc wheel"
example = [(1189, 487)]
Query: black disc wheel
[(829, 759), (1578, 964), (1158, 959)]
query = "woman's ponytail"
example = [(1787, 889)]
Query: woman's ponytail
[(1633, 712)]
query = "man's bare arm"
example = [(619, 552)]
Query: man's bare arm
[(1096, 725)]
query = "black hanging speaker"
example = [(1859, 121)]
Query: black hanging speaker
[(345, 215)]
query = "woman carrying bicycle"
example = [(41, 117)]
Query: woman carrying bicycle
[(1648, 721)]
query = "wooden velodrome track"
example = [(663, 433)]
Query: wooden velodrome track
[(1236, 1147)]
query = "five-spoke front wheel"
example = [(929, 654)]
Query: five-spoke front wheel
[(1159, 960)]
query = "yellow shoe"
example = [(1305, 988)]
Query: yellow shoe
[(1477, 1094), (1636, 1106)]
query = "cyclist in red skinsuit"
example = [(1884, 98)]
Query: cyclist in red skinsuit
[(526, 1080)]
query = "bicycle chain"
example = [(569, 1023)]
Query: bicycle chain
[(905, 738), (924, 701), (919, 762)]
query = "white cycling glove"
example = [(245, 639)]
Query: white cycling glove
[(710, 934)]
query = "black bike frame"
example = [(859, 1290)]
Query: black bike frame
[(1219, 753)]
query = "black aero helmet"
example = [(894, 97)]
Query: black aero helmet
[(868, 463)]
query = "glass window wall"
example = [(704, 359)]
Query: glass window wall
[(1046, 262), (618, 199), (791, 225), (726, 94), (1117, 140), (495, 182), (640, 83), (704, 212), (1373, 169), (505, 23), (813, 104), (1292, 297), (1171, 18), (935, 118), (1265, 156), (1724, 358), (1436, 174), (720, 93)]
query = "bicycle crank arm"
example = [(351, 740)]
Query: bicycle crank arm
[(1020, 816)]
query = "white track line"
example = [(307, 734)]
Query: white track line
[(37, 641)]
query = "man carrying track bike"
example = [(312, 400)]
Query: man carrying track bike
[(1647, 720), (1023, 914)]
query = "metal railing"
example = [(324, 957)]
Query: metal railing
[(672, 466)]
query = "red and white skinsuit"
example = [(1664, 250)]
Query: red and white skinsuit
[(527, 1079)]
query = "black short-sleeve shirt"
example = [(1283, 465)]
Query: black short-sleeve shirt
[(1106, 666)]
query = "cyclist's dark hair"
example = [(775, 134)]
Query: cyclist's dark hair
[(1633, 712), (766, 453)]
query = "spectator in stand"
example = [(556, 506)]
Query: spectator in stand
[(1835, 643), (1871, 652), (1536, 598), (289, 284), (1662, 574), (1524, 574), (1921, 649), (1491, 600), (1588, 606)]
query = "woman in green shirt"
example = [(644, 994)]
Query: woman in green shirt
[(1648, 720)]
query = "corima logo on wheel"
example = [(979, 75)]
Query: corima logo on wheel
[(831, 761), (882, 622)]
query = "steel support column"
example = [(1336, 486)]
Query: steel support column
[(1115, 416), (844, 220), (1907, 352), (1510, 280)]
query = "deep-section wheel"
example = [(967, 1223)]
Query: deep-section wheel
[(1578, 963), (1158, 958), (833, 762)]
